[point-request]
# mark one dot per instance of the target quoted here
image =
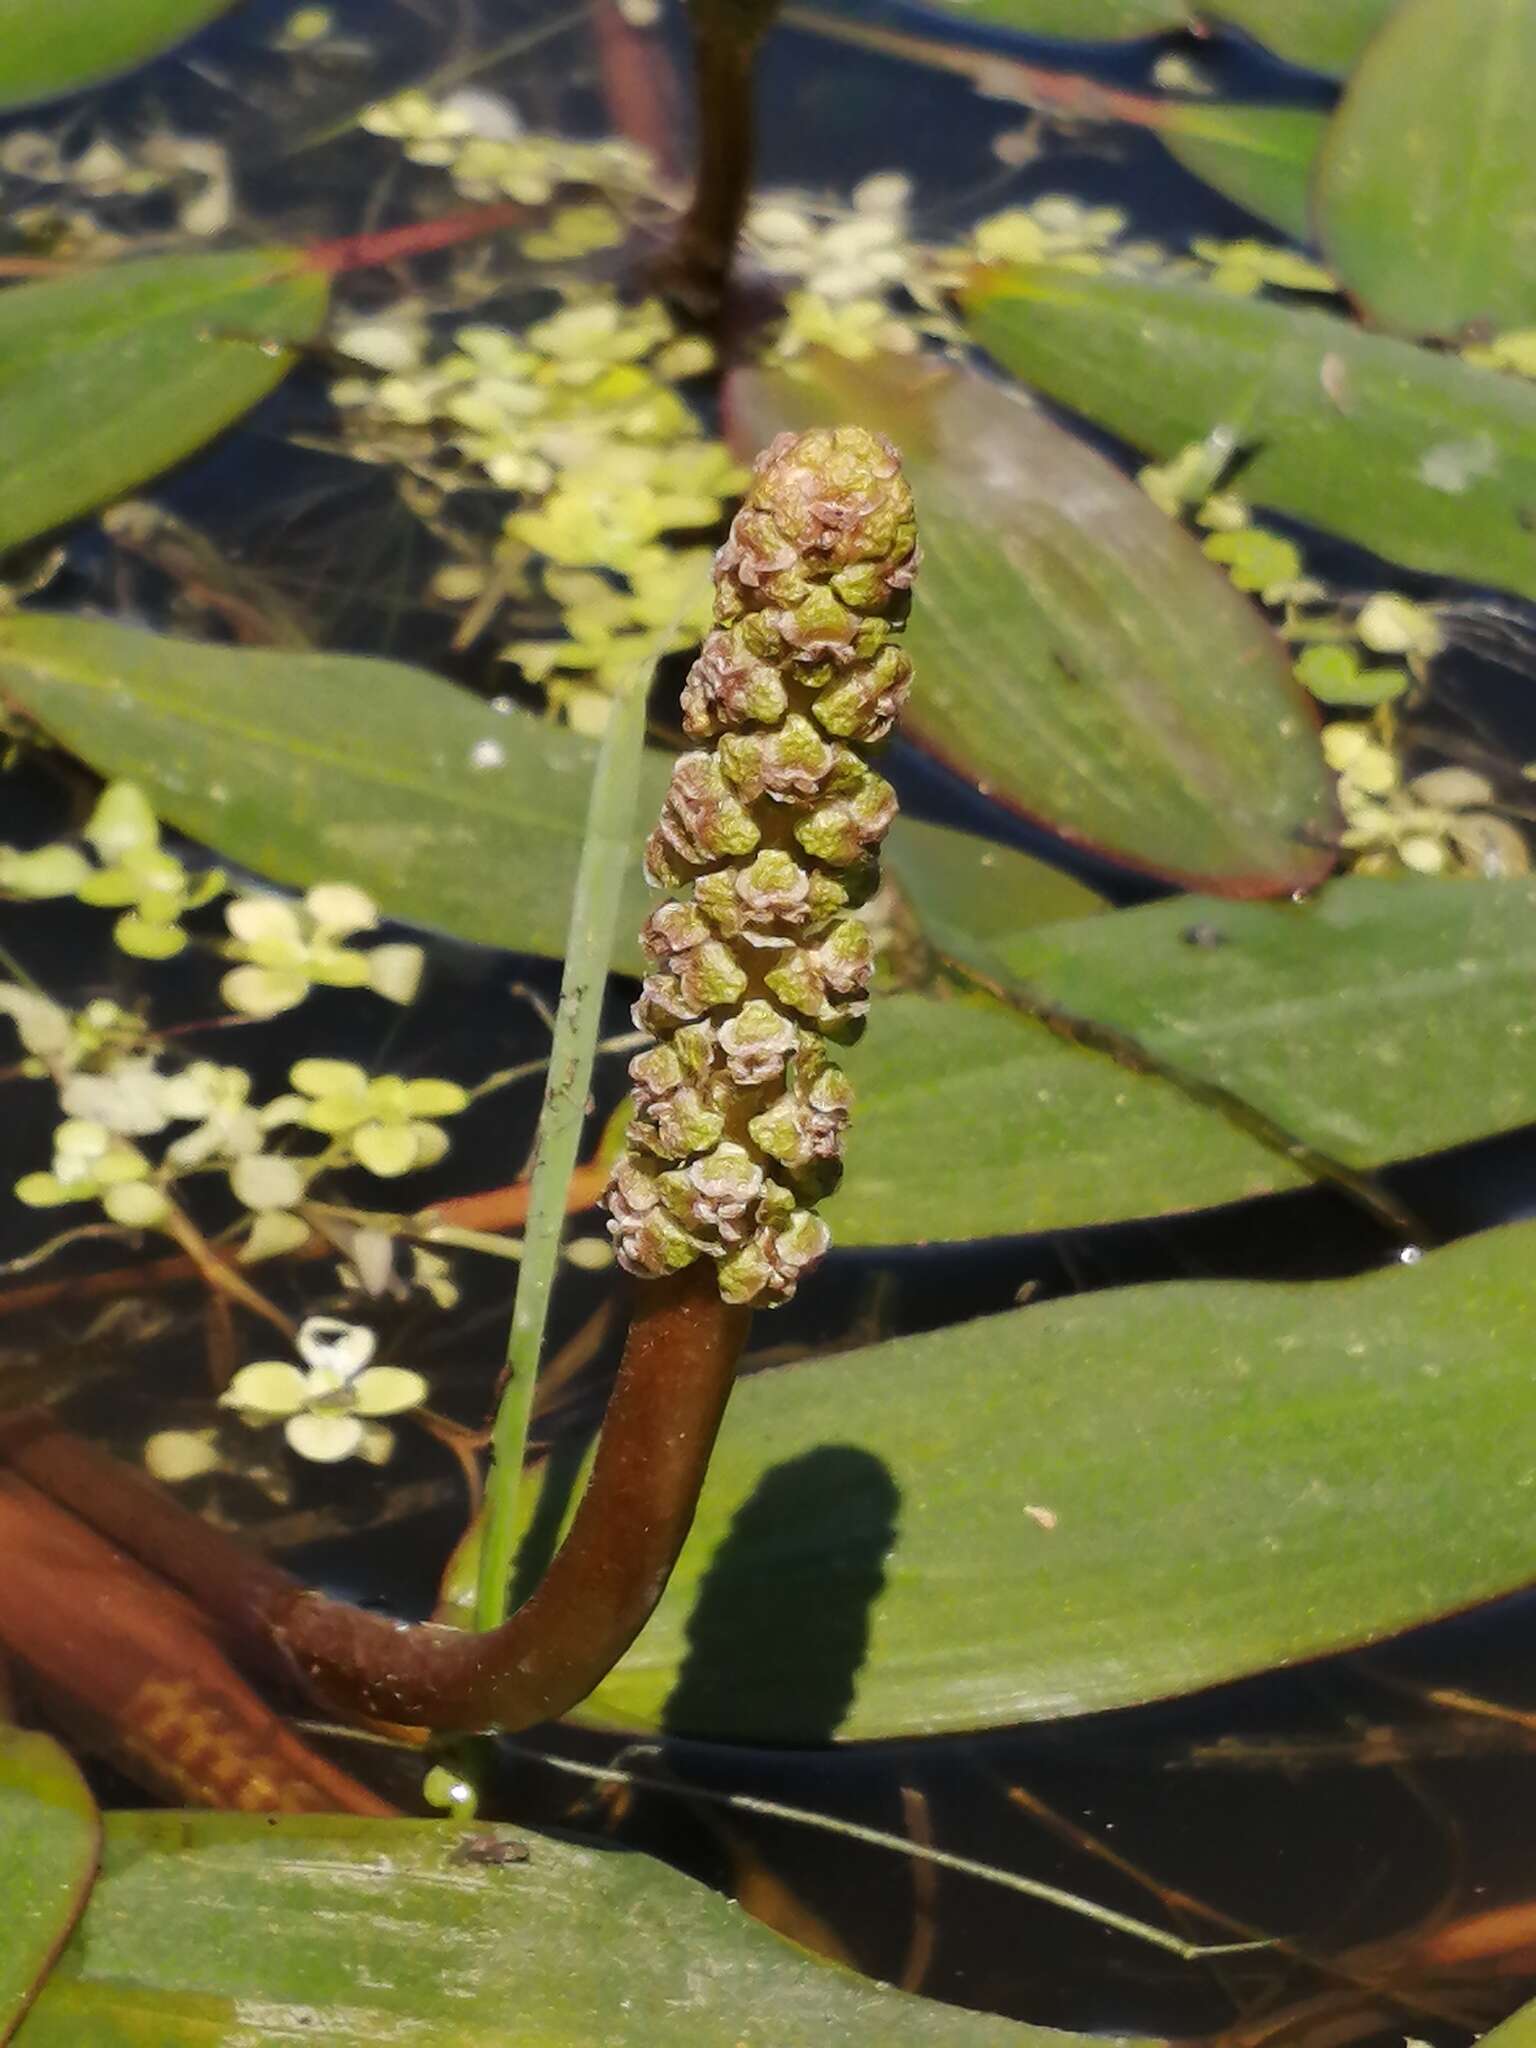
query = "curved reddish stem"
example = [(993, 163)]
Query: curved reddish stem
[(663, 1416)]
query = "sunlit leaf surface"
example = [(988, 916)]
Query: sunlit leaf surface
[(454, 816), (48, 50), (110, 376), (218, 1932), (1378, 1021), (1101, 1501), (1420, 457), (1319, 35), (1259, 157), (1426, 193), (49, 1839), (1075, 653)]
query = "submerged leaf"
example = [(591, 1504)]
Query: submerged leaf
[(1074, 652)]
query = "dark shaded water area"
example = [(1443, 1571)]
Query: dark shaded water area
[(1327, 1811)]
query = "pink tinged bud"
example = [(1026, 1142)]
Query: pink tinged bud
[(677, 1125), (656, 1072), (647, 1240), (716, 1197), (663, 1005), (769, 1269), (710, 978), (805, 1128), (729, 685), (756, 1043), (794, 762), (839, 831), (866, 703), (828, 983), (672, 928), (819, 628), (703, 820)]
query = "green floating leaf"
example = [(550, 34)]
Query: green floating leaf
[(46, 51), (1261, 158), (1098, 1502), (209, 1931), (1318, 35), (112, 375), (1380, 1020), (50, 1835), (966, 891), (452, 816), (1417, 456), (1426, 190), (1075, 653), (1082, 21)]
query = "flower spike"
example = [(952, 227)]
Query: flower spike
[(772, 826)]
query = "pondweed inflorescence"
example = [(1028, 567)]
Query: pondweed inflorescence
[(773, 828)]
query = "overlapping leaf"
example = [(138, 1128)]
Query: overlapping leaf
[(209, 1931), (112, 375), (1426, 192), (1418, 456), (1375, 1022), (1076, 656), (1319, 35), (1100, 1501), (50, 1837), (46, 51), (453, 816)]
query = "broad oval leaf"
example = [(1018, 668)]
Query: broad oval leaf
[(1426, 189), (212, 1931), (453, 816), (50, 1837), (1378, 1021), (1418, 456), (1075, 654), (114, 374), (46, 50), (1099, 1502)]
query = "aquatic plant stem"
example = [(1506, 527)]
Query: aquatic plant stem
[(673, 1383), (699, 264), (605, 856)]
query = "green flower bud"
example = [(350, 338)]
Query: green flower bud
[(739, 1111)]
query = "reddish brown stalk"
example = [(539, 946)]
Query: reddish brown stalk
[(658, 1433), (127, 1663), (663, 1416), (698, 265), (416, 238), (639, 85)]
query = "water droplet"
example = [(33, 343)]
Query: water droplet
[(487, 754), (1410, 1255)]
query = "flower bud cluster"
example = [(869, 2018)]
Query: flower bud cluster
[(772, 825)]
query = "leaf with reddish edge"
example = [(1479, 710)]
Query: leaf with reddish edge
[(1426, 187), (50, 1841), (1077, 657)]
